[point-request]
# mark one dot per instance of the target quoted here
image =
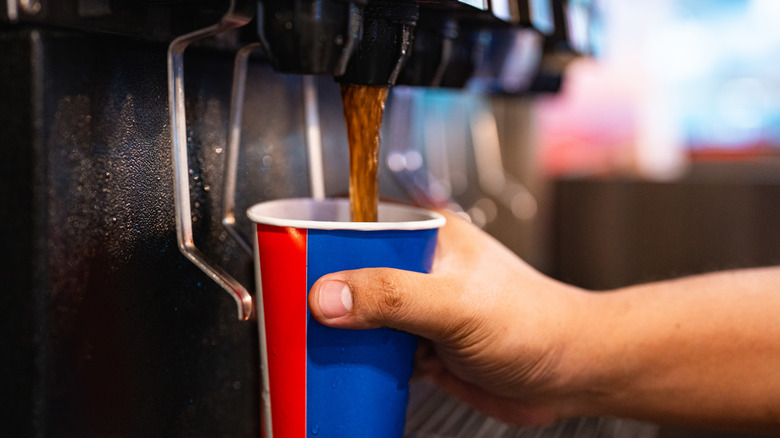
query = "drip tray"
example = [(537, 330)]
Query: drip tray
[(433, 413)]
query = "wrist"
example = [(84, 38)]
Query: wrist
[(592, 371)]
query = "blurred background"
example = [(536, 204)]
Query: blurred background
[(658, 157)]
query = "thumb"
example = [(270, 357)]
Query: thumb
[(383, 297)]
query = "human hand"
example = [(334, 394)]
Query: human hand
[(500, 333)]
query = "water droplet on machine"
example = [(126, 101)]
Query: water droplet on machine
[(315, 430)]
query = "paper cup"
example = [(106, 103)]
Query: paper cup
[(319, 381)]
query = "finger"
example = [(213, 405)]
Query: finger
[(417, 303)]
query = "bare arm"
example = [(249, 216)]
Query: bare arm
[(700, 351)]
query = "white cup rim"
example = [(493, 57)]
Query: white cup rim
[(333, 214)]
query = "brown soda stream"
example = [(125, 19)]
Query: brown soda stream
[(363, 108)]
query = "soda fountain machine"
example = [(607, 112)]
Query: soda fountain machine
[(135, 132)]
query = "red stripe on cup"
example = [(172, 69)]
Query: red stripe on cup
[(283, 261)]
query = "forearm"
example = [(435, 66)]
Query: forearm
[(702, 351)]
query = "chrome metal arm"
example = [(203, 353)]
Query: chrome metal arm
[(234, 139), (232, 19), (313, 137)]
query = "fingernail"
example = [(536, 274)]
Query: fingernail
[(335, 299)]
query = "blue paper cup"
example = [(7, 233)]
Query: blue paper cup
[(319, 381)]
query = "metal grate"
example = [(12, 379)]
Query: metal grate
[(435, 414)]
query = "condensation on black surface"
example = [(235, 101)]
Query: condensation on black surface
[(136, 341)]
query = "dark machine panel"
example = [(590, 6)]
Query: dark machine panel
[(109, 330)]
